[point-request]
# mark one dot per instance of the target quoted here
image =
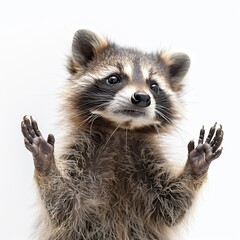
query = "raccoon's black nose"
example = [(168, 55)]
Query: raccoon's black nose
[(141, 99)]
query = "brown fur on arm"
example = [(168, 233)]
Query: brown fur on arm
[(171, 195)]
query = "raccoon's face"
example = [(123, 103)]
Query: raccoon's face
[(122, 87)]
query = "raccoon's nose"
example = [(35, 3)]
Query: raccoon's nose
[(141, 99)]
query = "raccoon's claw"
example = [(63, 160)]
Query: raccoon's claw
[(199, 158), (41, 149)]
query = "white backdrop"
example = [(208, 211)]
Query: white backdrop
[(35, 38)]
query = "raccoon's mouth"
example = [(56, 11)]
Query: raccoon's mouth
[(130, 112)]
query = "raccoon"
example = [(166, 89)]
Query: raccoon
[(112, 180)]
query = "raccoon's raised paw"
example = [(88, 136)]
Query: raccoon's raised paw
[(41, 149), (200, 158)]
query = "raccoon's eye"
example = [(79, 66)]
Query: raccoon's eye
[(114, 79), (154, 87)]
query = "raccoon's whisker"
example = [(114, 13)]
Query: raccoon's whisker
[(126, 145), (84, 120), (86, 103), (176, 127), (157, 130), (95, 116), (91, 118), (84, 112), (164, 109), (163, 115), (81, 122), (111, 135)]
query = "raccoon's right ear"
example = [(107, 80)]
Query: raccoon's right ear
[(177, 65), (86, 45)]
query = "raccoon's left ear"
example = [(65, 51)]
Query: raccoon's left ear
[(86, 45), (177, 65)]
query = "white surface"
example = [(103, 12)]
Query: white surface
[(34, 41)]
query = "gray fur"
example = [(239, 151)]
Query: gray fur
[(110, 182)]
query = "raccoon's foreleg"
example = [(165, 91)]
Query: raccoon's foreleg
[(175, 195), (55, 191)]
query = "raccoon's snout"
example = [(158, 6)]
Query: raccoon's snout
[(141, 99)]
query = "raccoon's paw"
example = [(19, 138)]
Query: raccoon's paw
[(200, 158), (41, 149)]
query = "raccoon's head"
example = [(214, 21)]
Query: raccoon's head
[(112, 86)]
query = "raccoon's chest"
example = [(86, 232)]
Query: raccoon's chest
[(117, 183), (126, 163), (122, 182)]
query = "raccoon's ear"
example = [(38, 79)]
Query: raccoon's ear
[(86, 45), (177, 65)]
